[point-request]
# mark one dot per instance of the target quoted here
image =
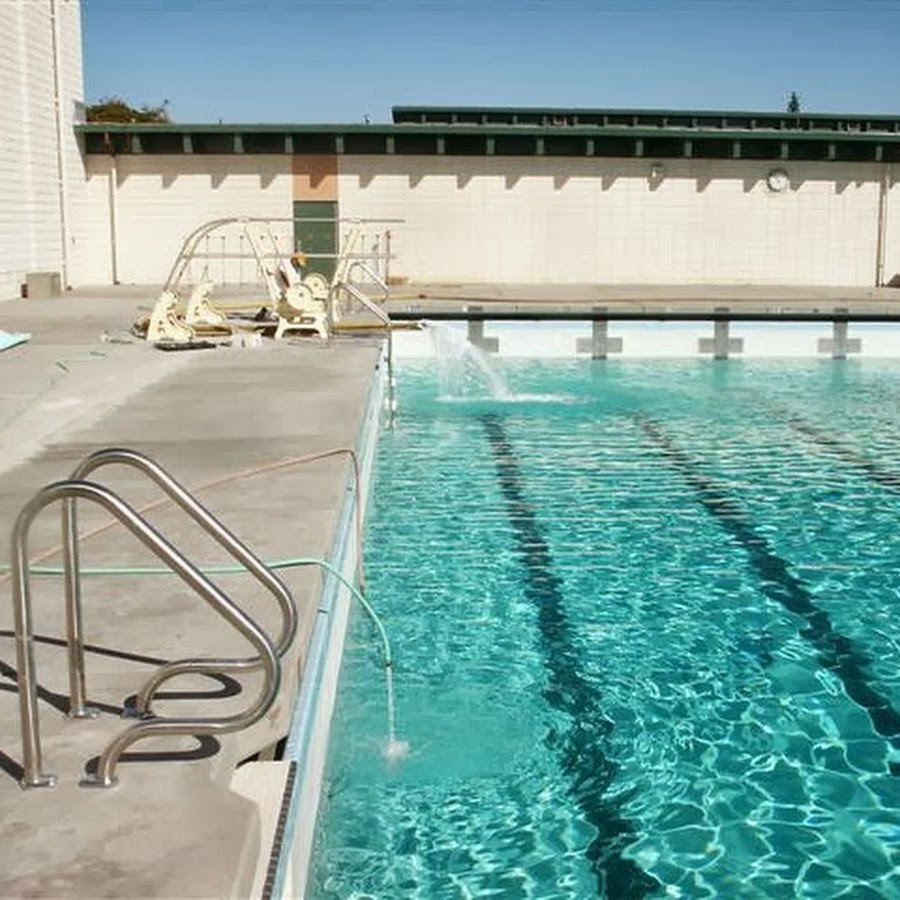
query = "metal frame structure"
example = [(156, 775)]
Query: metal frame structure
[(208, 522), (267, 652), (307, 303)]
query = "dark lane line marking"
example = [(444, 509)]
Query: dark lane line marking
[(836, 651), (870, 468), (581, 754)]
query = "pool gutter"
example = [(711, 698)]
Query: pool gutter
[(307, 741)]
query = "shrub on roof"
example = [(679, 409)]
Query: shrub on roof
[(115, 109)]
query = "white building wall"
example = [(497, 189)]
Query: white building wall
[(31, 180), (90, 261), (891, 273), (611, 221), (73, 157), (513, 220), (159, 200)]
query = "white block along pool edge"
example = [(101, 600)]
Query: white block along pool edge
[(668, 340), (307, 743)]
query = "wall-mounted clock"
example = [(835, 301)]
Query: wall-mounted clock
[(777, 180)]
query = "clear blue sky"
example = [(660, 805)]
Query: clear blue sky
[(332, 61)]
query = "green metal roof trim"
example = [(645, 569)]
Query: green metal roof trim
[(622, 134), (661, 118)]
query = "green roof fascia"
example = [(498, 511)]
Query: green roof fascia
[(664, 141), (222, 128), (438, 130), (749, 115)]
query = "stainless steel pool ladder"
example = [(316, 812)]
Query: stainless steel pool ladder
[(68, 492), (347, 285), (208, 522)]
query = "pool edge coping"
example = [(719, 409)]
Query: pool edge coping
[(308, 737)]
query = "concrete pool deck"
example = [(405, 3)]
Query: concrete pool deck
[(195, 827), (642, 300)]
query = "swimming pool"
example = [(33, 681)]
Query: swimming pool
[(644, 617)]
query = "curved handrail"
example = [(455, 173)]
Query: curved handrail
[(193, 238), (385, 320), (373, 307), (367, 270), (210, 524), (188, 245), (33, 776)]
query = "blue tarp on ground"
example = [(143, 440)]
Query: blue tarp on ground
[(12, 339)]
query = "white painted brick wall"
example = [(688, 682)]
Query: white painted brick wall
[(892, 228), (608, 221), (30, 227), (518, 220), (90, 259), (466, 219), (161, 199)]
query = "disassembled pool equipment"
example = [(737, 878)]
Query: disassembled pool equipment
[(296, 301)]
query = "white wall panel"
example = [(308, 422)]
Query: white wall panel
[(90, 239), (30, 183), (161, 199), (610, 221), (892, 227)]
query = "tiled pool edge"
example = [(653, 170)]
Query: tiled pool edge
[(307, 741), (658, 339)]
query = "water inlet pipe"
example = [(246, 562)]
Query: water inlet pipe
[(239, 475), (394, 747)]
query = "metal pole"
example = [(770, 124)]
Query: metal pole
[(33, 775), (881, 233), (62, 183), (78, 708), (114, 218)]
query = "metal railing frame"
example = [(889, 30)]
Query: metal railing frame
[(189, 249), (209, 523), (33, 774), (346, 284)]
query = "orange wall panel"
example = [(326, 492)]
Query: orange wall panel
[(315, 178)]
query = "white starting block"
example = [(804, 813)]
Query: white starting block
[(200, 310), (165, 324), (299, 310)]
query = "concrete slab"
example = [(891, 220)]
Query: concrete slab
[(175, 825), (783, 300)]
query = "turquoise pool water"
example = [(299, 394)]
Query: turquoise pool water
[(645, 620)]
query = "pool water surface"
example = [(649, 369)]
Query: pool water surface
[(645, 619)]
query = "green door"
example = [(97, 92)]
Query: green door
[(313, 237)]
